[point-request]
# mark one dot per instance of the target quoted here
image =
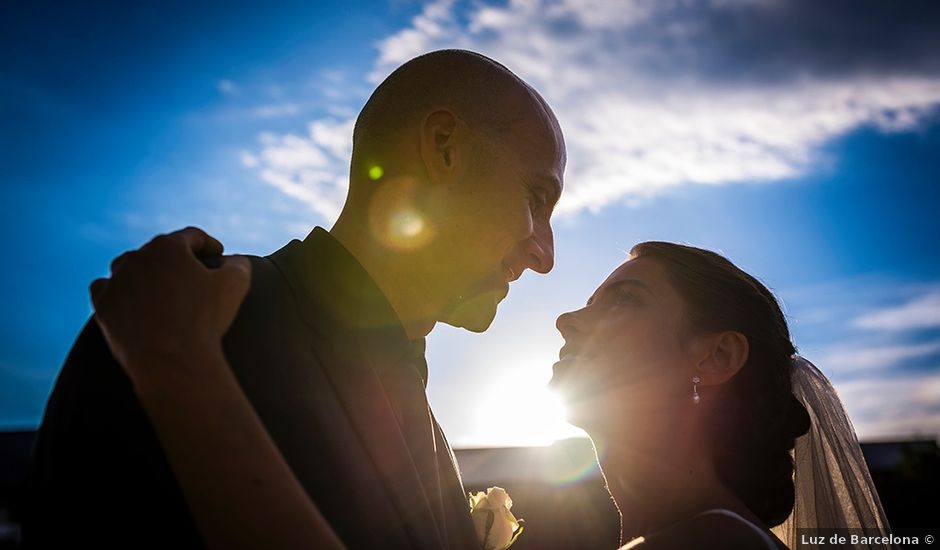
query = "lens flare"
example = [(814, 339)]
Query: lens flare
[(407, 224), (375, 173), (574, 462), (394, 218), (405, 229)]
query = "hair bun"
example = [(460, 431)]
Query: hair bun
[(798, 420)]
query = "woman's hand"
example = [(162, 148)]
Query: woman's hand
[(163, 314), (162, 307)]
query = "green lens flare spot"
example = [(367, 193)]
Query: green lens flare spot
[(375, 173)]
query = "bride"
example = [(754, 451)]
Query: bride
[(680, 367)]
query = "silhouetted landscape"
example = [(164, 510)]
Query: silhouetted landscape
[(559, 491)]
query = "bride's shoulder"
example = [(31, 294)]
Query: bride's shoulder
[(712, 529)]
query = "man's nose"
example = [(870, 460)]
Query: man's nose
[(540, 249)]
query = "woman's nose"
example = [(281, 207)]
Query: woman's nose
[(567, 324)]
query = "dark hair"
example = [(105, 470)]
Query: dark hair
[(756, 416)]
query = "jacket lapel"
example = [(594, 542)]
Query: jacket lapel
[(367, 405), (351, 368), (460, 531)]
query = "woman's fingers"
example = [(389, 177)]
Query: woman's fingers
[(96, 289), (198, 241), (232, 278), (235, 275), (194, 241), (236, 267), (161, 300), (120, 260)]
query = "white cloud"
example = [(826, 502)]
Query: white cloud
[(894, 405), (276, 110), (634, 129), (656, 94), (333, 136), (436, 23), (248, 159), (318, 189), (920, 313), (228, 87), (867, 358), (310, 168)]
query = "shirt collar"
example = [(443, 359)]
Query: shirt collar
[(341, 299)]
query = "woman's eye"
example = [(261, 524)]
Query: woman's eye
[(626, 297)]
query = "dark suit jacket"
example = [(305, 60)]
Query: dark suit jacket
[(329, 370)]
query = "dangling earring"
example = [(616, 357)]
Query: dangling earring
[(696, 398)]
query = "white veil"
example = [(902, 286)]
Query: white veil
[(833, 486)]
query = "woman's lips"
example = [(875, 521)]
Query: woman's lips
[(563, 367)]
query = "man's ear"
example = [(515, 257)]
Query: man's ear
[(726, 353), (442, 134)]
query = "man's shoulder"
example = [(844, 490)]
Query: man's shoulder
[(269, 339), (291, 287), (90, 375), (270, 298), (95, 453)]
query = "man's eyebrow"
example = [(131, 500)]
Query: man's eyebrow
[(556, 188), (624, 282), (553, 184)]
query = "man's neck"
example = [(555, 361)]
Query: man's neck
[(389, 273)]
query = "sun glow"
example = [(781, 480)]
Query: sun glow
[(521, 411)]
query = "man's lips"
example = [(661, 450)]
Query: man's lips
[(512, 273), (496, 283), (505, 291)]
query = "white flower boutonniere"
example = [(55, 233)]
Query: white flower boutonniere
[(497, 528)]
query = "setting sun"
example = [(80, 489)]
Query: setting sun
[(518, 409)]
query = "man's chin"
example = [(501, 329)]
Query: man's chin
[(475, 314)]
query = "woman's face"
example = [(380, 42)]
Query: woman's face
[(624, 357)]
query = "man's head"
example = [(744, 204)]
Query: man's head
[(457, 164)]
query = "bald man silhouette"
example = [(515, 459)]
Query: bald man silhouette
[(456, 167)]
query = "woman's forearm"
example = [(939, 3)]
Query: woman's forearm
[(240, 489)]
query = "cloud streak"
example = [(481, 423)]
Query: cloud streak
[(868, 358), (277, 110), (310, 168), (921, 313), (894, 405), (655, 95), (891, 389), (228, 87)]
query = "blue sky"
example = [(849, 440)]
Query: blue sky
[(798, 138)]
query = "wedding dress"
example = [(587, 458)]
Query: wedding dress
[(759, 531)]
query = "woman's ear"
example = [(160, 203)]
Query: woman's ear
[(442, 134), (727, 353)]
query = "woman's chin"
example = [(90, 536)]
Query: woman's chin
[(580, 410), (579, 420), (600, 413)]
